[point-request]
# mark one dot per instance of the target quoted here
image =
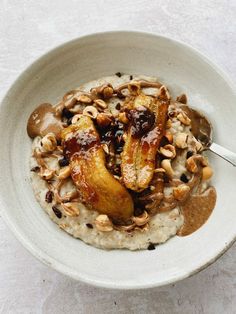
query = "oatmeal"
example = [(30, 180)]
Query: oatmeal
[(116, 165)]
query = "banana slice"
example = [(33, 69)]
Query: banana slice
[(98, 188), (139, 153)]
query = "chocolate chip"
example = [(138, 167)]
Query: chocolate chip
[(189, 154), (118, 106), (90, 226), (66, 113), (184, 178), (49, 196), (131, 77), (151, 247), (57, 212), (35, 169), (118, 74), (63, 162)]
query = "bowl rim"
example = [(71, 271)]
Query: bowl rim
[(56, 264)]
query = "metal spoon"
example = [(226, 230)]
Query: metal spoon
[(202, 130)]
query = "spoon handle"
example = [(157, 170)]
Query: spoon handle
[(223, 153)]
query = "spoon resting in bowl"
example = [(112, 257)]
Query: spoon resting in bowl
[(202, 130)]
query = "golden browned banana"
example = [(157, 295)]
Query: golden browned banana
[(97, 186), (139, 153)]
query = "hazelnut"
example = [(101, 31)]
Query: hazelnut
[(103, 120), (134, 88), (181, 192), (84, 99), (181, 140), (168, 151), (183, 118), (207, 173), (49, 142), (164, 93), (90, 111), (142, 219), (76, 118), (108, 92), (103, 223), (71, 209), (100, 103), (166, 165), (46, 173), (193, 162), (182, 98)]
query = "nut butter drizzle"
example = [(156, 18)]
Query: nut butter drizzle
[(43, 120)]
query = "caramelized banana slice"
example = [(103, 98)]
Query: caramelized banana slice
[(143, 140), (97, 186)]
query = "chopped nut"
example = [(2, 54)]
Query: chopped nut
[(207, 173), (168, 151), (197, 145), (181, 140), (107, 92), (193, 162), (64, 172), (103, 223), (166, 165), (90, 111), (76, 118), (101, 103), (84, 99), (103, 120), (49, 142), (122, 117), (46, 173), (142, 219), (181, 192), (134, 88), (183, 118), (71, 209)]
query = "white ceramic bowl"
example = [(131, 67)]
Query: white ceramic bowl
[(183, 69)]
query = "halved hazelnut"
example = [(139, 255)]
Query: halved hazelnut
[(183, 118), (166, 165), (100, 103), (193, 162), (181, 140), (84, 99), (103, 223), (142, 219), (46, 173), (49, 142), (71, 209), (181, 192), (103, 120), (76, 118), (168, 151), (91, 112)]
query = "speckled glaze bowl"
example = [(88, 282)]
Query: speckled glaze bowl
[(183, 69)]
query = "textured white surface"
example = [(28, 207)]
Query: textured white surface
[(28, 29)]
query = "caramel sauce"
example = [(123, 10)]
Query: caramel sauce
[(43, 120), (196, 210)]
